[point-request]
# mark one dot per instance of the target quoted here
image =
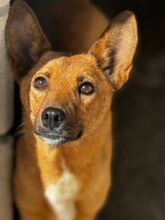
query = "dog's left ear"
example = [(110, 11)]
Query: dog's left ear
[(115, 49), (25, 39)]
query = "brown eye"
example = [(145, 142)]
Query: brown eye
[(40, 83), (86, 88)]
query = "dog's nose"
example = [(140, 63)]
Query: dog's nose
[(53, 117)]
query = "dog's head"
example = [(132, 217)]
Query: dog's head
[(68, 97)]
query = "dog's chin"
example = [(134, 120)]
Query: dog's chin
[(51, 141), (60, 140)]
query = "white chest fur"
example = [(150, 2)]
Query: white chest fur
[(61, 196)]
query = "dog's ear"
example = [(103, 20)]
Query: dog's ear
[(24, 39), (114, 50)]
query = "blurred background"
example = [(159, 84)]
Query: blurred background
[(138, 108)]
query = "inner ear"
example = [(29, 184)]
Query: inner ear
[(25, 40), (115, 49)]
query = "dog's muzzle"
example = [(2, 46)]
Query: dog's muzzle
[(54, 129)]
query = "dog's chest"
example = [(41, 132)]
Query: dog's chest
[(61, 196)]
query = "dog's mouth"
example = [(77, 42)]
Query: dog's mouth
[(51, 138)]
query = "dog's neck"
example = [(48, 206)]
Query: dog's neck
[(89, 152), (91, 149)]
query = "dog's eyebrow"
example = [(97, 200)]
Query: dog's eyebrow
[(47, 74), (80, 78)]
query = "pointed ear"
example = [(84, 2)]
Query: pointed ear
[(115, 49), (24, 39)]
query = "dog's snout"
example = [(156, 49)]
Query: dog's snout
[(53, 117)]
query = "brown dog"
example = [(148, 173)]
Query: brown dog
[(64, 155)]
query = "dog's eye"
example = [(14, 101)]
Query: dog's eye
[(86, 88), (40, 83)]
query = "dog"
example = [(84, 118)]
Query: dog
[(63, 157)]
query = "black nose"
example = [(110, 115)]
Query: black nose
[(52, 117)]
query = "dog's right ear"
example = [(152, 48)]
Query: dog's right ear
[(24, 39)]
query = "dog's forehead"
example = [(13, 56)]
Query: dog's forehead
[(73, 65)]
